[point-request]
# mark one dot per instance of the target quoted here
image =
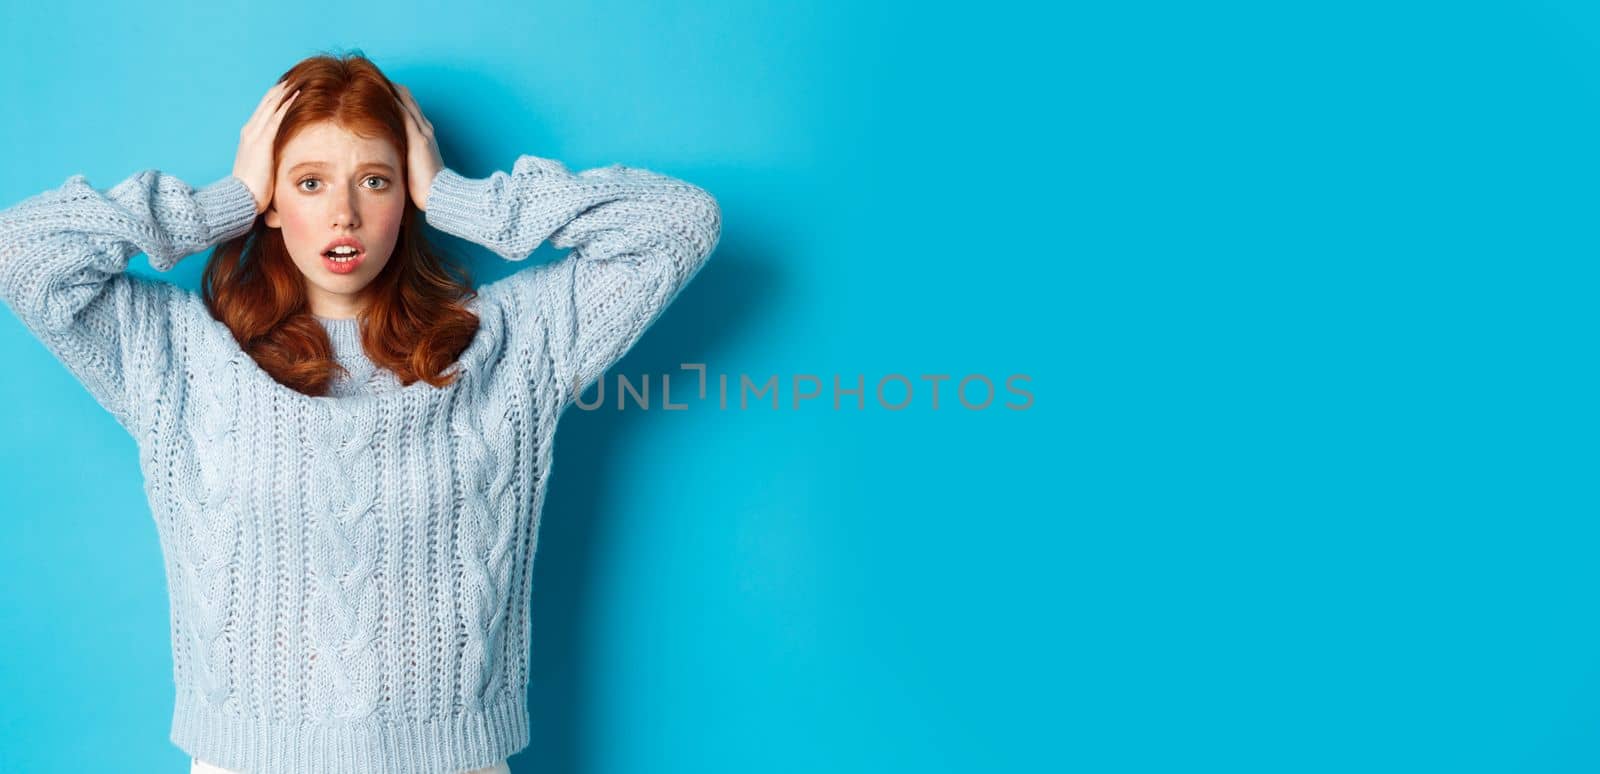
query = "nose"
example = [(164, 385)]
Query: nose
[(343, 203)]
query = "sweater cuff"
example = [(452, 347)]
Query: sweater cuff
[(475, 208), (228, 207), (457, 203)]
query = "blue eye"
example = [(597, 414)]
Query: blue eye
[(384, 180)]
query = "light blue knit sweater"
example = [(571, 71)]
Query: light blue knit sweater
[(350, 575)]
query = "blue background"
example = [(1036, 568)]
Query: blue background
[(1305, 291)]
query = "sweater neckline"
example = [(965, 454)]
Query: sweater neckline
[(343, 332)]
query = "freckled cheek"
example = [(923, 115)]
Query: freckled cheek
[(385, 221), (299, 230)]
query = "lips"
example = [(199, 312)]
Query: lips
[(346, 241)]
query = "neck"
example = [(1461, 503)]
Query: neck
[(334, 306)]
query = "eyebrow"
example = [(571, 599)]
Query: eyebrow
[(319, 165)]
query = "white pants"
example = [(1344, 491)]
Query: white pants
[(197, 766)]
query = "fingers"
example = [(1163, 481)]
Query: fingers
[(267, 99), (405, 105), (413, 109), (267, 116), (277, 116), (410, 106)]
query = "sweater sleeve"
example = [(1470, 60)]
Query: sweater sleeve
[(637, 238), (63, 260)]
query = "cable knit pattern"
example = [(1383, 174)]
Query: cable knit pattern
[(488, 469), (206, 491), (350, 574), (345, 609)]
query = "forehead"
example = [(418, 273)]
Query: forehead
[(336, 148)]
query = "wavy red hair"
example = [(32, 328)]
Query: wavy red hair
[(415, 324)]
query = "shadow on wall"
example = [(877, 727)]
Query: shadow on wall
[(721, 299)]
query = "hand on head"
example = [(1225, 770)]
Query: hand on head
[(423, 161), (254, 163)]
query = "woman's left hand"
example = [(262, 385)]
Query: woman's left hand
[(423, 161)]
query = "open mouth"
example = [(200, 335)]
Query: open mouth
[(341, 261), (343, 255)]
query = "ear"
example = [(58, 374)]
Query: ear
[(273, 221)]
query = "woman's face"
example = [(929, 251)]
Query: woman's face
[(332, 184)]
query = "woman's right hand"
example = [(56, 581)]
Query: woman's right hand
[(423, 161), (254, 162)]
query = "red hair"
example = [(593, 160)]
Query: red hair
[(415, 324)]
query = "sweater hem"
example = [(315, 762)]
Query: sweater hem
[(465, 742)]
